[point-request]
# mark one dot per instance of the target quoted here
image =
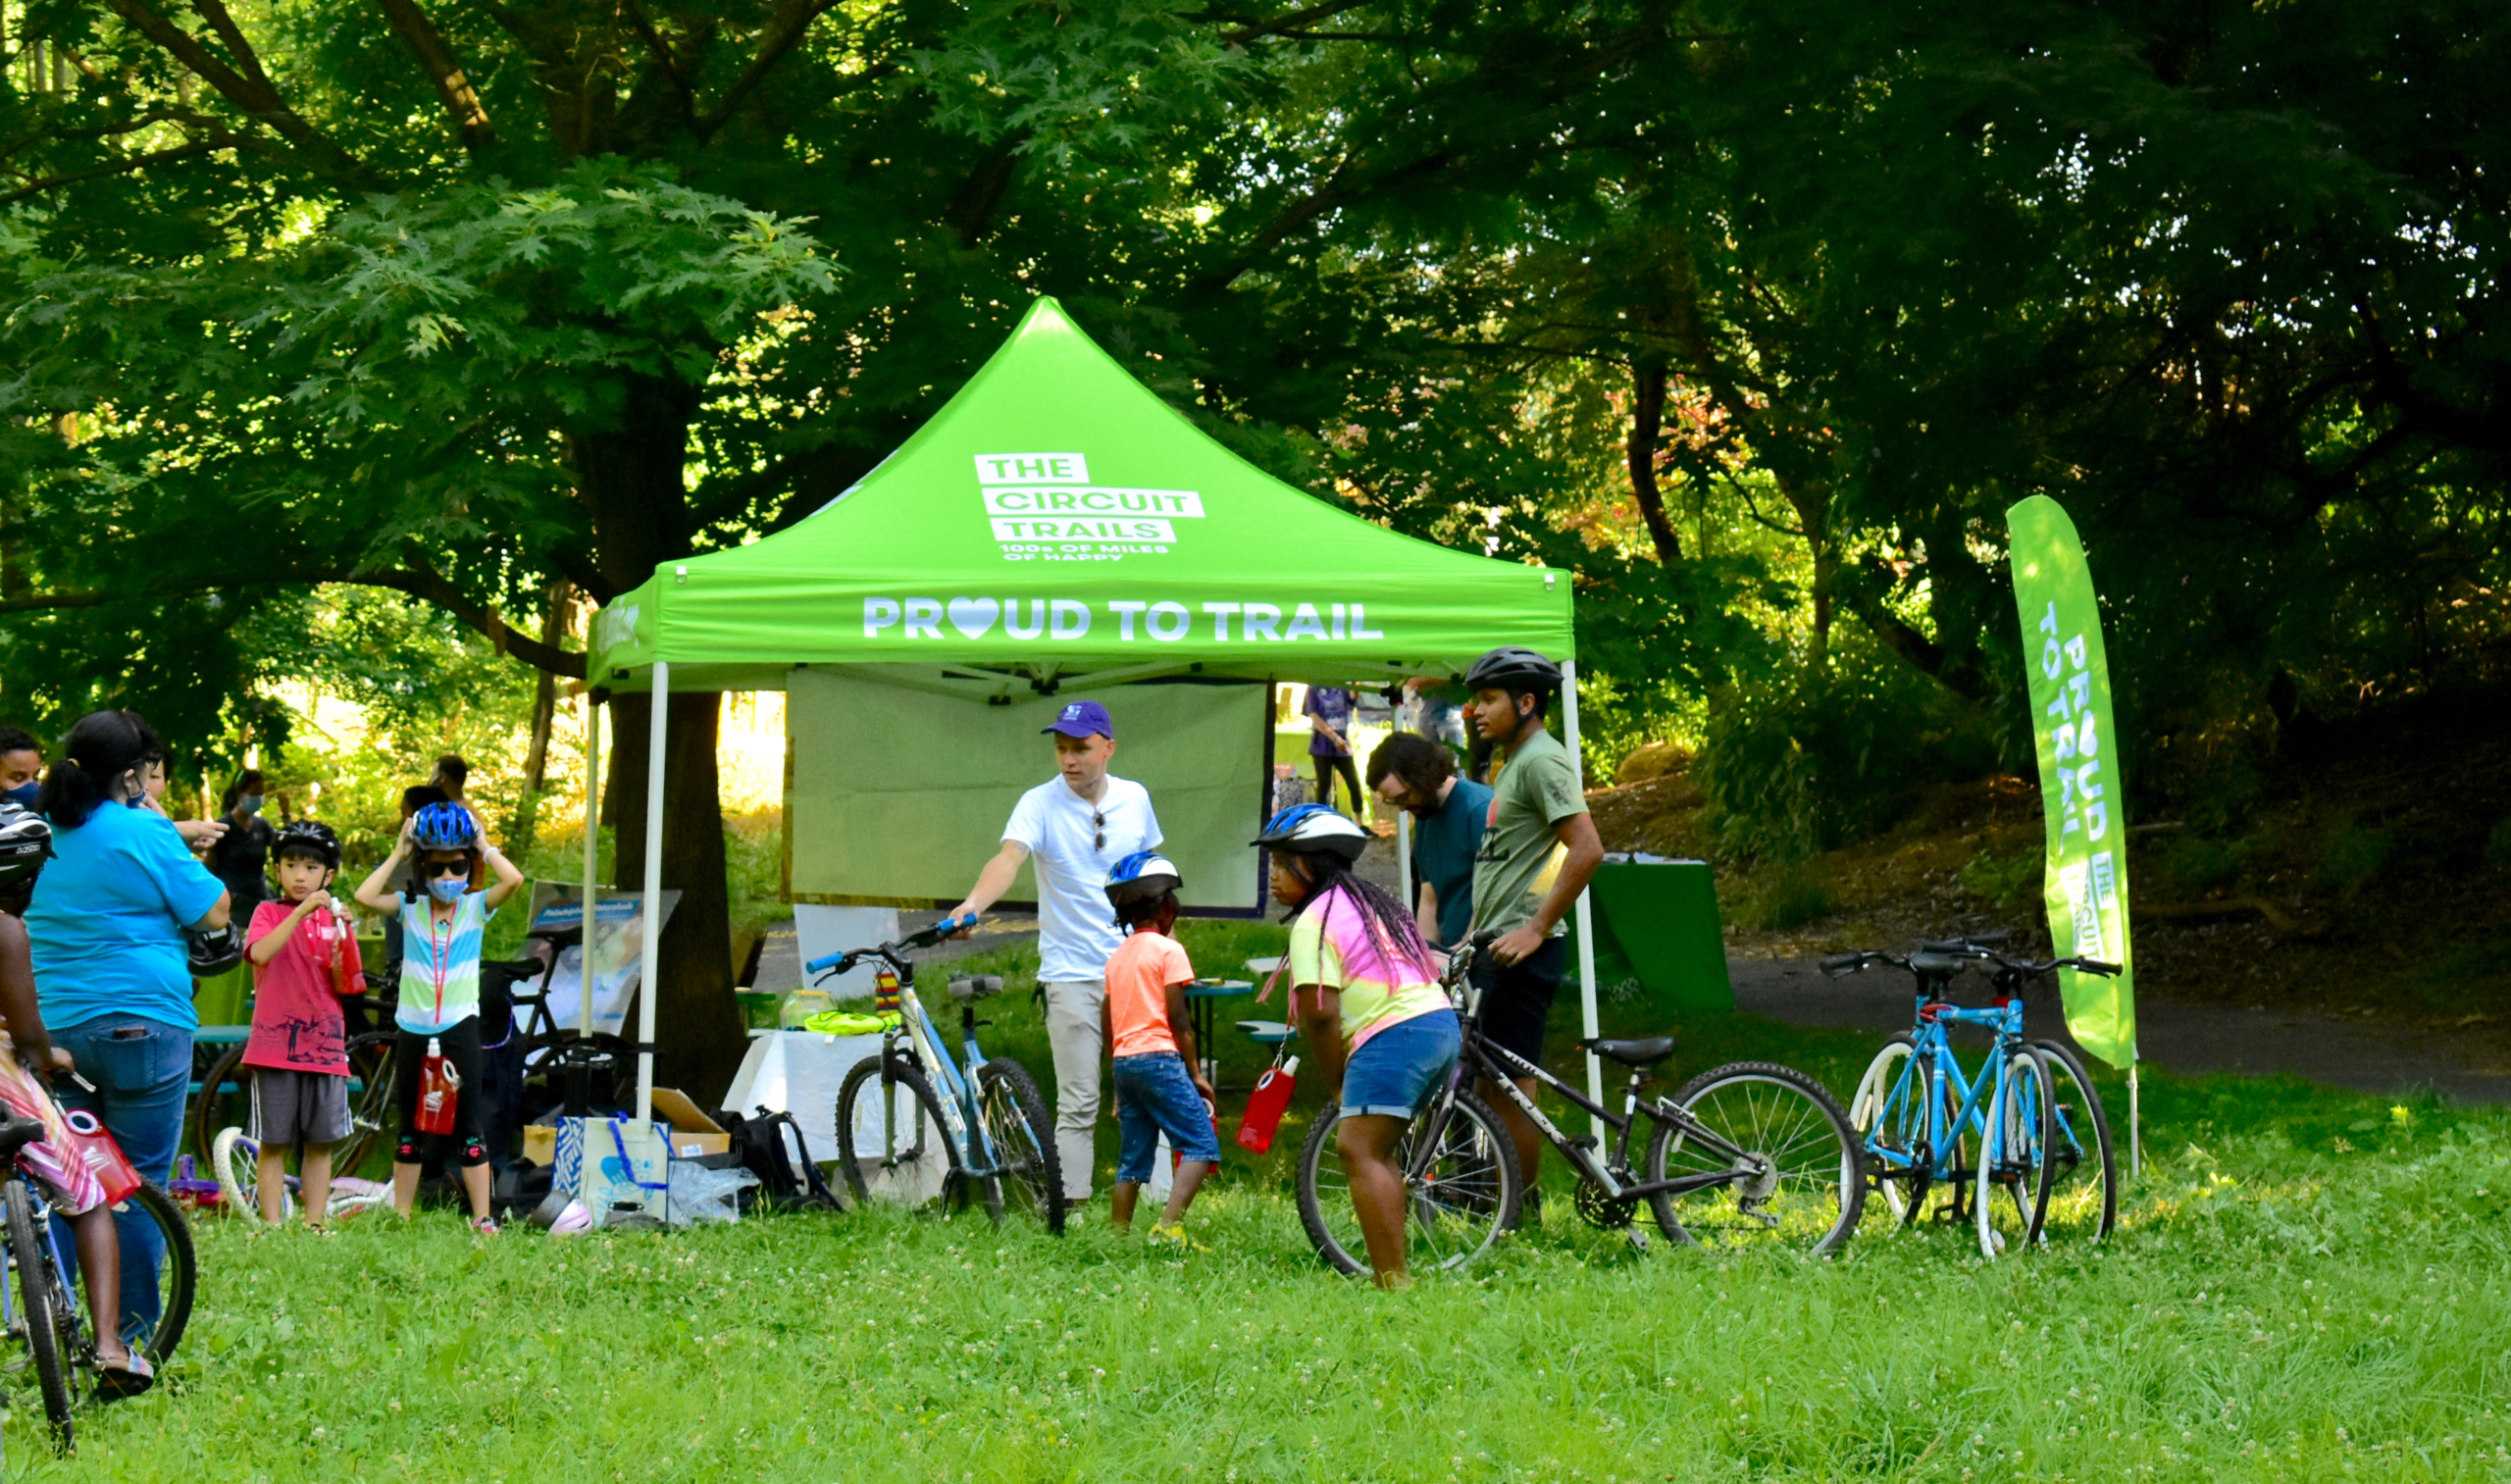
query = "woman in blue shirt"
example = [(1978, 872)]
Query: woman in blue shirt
[(112, 974)]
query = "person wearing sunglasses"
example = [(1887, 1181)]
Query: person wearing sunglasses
[(1075, 828), (444, 917)]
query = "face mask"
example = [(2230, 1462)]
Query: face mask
[(24, 794), (447, 887), (250, 803)]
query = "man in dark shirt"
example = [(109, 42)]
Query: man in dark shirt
[(1417, 775)]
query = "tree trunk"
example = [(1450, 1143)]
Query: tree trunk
[(629, 474), (1812, 501), (1646, 421), (544, 715), (698, 1025)]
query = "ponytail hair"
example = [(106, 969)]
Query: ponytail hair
[(99, 752), (1389, 922)]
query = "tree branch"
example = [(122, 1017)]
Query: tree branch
[(254, 94), (974, 204), (792, 19), (461, 100), (215, 13), (116, 168), (662, 51), (1257, 30)]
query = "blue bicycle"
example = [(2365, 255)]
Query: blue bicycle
[(982, 1135), (2021, 1148)]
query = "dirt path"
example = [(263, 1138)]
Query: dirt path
[(2359, 1052)]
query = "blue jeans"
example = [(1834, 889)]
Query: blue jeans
[(1155, 1096), (142, 1070), (1395, 1070)]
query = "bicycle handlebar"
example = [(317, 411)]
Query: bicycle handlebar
[(923, 938), (1839, 966)]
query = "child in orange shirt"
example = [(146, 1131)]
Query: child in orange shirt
[(1159, 1085)]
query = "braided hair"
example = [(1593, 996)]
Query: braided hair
[(1389, 922)]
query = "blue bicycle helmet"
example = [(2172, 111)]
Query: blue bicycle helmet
[(445, 826), (1314, 829), (1144, 873)]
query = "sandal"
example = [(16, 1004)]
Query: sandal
[(129, 1377)]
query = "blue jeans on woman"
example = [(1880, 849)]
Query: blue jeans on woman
[(142, 1070)]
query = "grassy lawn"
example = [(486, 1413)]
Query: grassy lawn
[(2307, 1285)]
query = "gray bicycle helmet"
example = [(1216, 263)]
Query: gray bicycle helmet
[(1513, 668)]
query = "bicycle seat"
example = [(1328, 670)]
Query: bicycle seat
[(976, 986), (1647, 1051), (1933, 965), (17, 1133)]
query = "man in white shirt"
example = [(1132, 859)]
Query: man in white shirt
[(1075, 828)]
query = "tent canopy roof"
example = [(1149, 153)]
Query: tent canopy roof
[(1055, 519)]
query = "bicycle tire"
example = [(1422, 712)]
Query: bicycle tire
[(1806, 1186), (373, 1061), (1023, 1135), (236, 1160), (218, 1106), (178, 1273), (1472, 1200), (2078, 1197), (39, 1291), (927, 1169), (2013, 1138)]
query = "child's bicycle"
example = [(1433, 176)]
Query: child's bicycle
[(984, 1135), (235, 1162), (1749, 1155), (40, 1306), (2022, 1149)]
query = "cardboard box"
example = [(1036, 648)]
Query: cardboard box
[(693, 1135), (541, 1143)]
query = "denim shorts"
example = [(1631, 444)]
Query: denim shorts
[(1155, 1096), (1393, 1071)]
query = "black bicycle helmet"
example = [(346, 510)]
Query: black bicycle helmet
[(1314, 829), (309, 837), (1513, 668), (214, 950), (25, 843)]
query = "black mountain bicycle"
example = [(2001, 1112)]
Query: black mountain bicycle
[(1746, 1156)]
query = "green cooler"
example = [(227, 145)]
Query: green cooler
[(1662, 915)]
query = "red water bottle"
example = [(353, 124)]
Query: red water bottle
[(439, 1087), (1266, 1104)]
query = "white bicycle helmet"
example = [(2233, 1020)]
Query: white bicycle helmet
[(1314, 829)]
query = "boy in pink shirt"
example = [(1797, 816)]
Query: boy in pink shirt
[(1159, 1085), (304, 958)]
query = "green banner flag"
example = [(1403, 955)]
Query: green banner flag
[(2080, 784)]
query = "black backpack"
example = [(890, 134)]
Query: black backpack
[(770, 1146)]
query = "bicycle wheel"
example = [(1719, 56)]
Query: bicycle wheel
[(1890, 1115), (371, 1067), (890, 1136), (1023, 1136), (37, 1319), (2008, 1179), (2078, 1197), (155, 1312), (1466, 1195), (236, 1162), (225, 1097), (1797, 1183)]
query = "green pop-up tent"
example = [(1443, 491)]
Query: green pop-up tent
[(1057, 525)]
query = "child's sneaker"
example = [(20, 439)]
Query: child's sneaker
[(485, 1226), (1175, 1237)]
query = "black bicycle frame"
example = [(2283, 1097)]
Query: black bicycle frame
[(1479, 1054)]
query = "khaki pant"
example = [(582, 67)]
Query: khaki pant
[(1075, 1029)]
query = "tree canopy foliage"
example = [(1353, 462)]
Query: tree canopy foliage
[(1756, 317)]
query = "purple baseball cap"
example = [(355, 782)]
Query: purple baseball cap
[(1083, 718)]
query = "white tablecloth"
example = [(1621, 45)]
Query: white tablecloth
[(801, 1072)]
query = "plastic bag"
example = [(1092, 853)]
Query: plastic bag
[(700, 1194)]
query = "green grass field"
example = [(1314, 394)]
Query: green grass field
[(2306, 1286)]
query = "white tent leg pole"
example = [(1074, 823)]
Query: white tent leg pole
[(650, 977), (1410, 893), (592, 856), (2135, 1143), (1586, 911)]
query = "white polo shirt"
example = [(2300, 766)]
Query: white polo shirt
[(1072, 844)]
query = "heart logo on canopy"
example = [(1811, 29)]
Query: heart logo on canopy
[(973, 616)]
